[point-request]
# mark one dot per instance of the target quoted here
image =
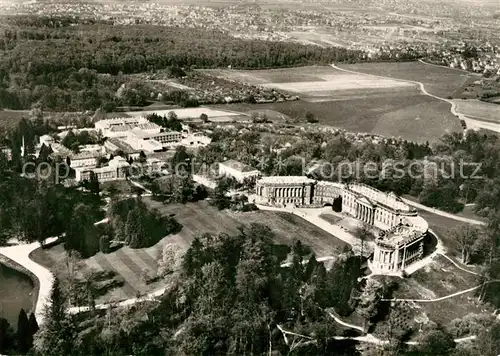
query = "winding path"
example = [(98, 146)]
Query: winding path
[(471, 123), (20, 255), (443, 213)]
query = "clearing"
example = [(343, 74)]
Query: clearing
[(193, 113), (438, 80)]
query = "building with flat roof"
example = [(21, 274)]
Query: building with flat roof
[(285, 190), (115, 145), (237, 170), (116, 169), (84, 159)]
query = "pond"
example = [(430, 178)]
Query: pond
[(16, 292)]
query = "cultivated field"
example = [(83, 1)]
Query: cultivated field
[(134, 267), (191, 113), (479, 110), (354, 101), (441, 81), (309, 81)]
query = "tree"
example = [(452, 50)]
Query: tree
[(172, 115), (467, 237), (369, 300), (220, 199), (435, 341), (33, 324), (171, 259), (364, 234), (311, 118), (204, 117), (24, 335), (104, 244), (94, 183), (57, 335), (6, 336)]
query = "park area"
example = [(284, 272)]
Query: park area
[(439, 279), (357, 102), (131, 272)]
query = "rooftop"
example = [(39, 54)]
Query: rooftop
[(409, 229), (84, 155), (286, 180)]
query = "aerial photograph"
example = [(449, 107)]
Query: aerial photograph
[(250, 177)]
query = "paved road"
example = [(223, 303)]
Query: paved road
[(20, 255), (443, 213)]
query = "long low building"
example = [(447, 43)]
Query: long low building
[(116, 169), (237, 170), (401, 230)]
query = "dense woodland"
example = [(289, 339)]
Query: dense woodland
[(78, 66)]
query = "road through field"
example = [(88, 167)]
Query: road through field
[(471, 123)]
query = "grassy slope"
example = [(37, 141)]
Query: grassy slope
[(196, 218)]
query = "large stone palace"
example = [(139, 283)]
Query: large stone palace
[(401, 231)]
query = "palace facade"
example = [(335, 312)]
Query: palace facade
[(401, 230)]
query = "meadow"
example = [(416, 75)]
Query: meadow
[(436, 280), (479, 110), (133, 268), (441, 81), (354, 102)]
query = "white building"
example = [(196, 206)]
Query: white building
[(84, 160), (238, 170), (47, 140), (116, 169)]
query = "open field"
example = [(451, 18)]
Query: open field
[(479, 110), (132, 266), (441, 81), (403, 114), (310, 81), (357, 102), (438, 279), (192, 113)]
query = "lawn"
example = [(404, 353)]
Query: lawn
[(133, 268), (441, 81), (438, 279)]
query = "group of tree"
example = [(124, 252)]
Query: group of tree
[(138, 226), (61, 66), (18, 342), (74, 140)]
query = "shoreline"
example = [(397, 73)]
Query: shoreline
[(13, 265)]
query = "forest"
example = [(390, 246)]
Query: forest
[(79, 66)]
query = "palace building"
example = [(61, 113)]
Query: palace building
[(284, 190), (401, 230)]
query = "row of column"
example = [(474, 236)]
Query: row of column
[(288, 192), (388, 258), (364, 213)]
